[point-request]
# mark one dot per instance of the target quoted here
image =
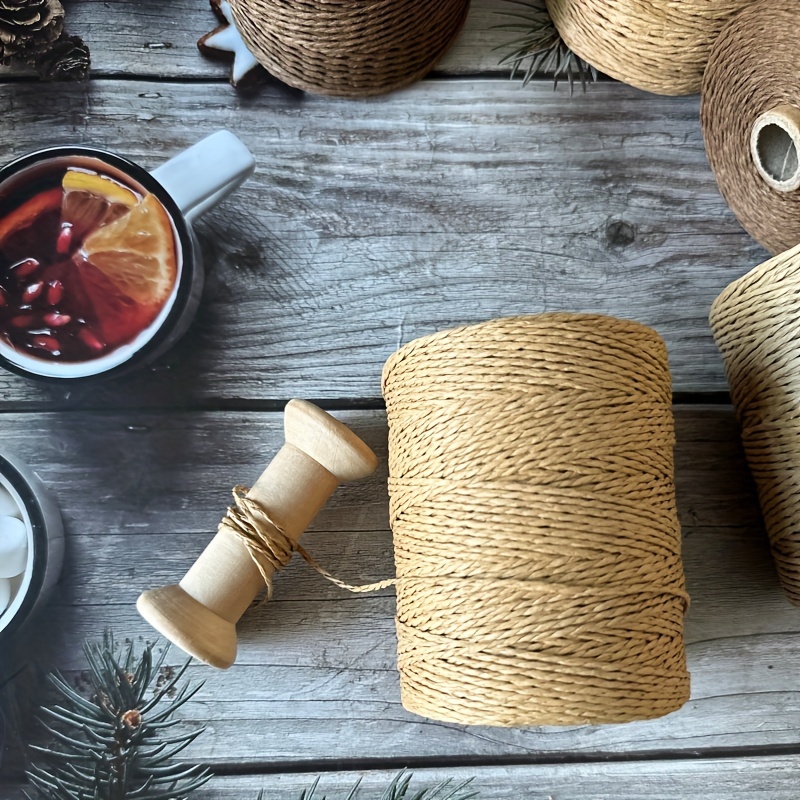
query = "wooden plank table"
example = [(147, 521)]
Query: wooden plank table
[(369, 223)]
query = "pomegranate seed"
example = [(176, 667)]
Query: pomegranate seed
[(23, 321), (55, 291), (64, 240), (56, 320), (3, 298), (90, 340), (49, 343), (32, 292), (24, 268)]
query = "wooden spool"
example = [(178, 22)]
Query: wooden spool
[(200, 613)]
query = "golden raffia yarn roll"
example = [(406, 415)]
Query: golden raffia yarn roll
[(537, 545), (751, 120), (349, 48), (658, 45), (756, 324)]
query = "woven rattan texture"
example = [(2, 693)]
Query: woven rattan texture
[(532, 501), (756, 323), (658, 45), (349, 48), (753, 68)]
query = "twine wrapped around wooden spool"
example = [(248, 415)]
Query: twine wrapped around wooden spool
[(658, 45), (750, 113), (349, 48), (537, 545), (756, 324)]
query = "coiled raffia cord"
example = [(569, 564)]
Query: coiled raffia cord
[(537, 546), (756, 324), (658, 45)]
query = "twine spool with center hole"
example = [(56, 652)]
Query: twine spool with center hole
[(756, 324), (659, 45), (349, 48), (537, 545), (750, 113)]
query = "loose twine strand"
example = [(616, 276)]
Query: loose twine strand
[(751, 70), (756, 324), (658, 45), (532, 501), (269, 546)]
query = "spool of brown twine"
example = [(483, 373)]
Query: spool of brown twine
[(349, 48), (537, 546), (751, 120), (658, 45), (756, 323)]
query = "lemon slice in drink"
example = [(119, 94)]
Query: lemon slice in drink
[(90, 201), (136, 252)]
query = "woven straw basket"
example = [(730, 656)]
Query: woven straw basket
[(349, 48), (756, 323)]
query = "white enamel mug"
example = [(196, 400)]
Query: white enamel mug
[(187, 186)]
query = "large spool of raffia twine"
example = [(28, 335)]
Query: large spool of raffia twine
[(751, 120), (658, 45), (756, 323), (349, 48), (537, 546)]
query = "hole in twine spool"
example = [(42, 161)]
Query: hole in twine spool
[(532, 503), (775, 147)]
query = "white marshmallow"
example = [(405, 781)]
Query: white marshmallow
[(8, 505), (5, 594), (13, 547)]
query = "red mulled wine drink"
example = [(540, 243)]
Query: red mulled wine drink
[(88, 262), (100, 269)]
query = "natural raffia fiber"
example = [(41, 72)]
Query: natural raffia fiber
[(658, 45), (537, 545), (752, 69), (270, 547), (349, 48), (756, 323)]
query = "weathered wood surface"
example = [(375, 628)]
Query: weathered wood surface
[(316, 677), (765, 778), (753, 779), (370, 223), (158, 39)]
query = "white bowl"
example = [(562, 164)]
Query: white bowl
[(37, 509)]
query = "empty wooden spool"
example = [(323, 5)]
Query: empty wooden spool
[(200, 613)]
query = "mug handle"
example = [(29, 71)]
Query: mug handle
[(205, 173)]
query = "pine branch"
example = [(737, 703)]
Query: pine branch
[(539, 49), (110, 746), (399, 789)]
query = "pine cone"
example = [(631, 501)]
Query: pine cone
[(67, 60), (28, 27)]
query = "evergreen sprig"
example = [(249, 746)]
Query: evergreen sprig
[(540, 50), (400, 789), (116, 744)]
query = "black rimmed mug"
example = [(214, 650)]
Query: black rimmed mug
[(186, 186)]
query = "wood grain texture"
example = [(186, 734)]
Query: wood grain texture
[(765, 778), (370, 223), (158, 39), (316, 678)]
